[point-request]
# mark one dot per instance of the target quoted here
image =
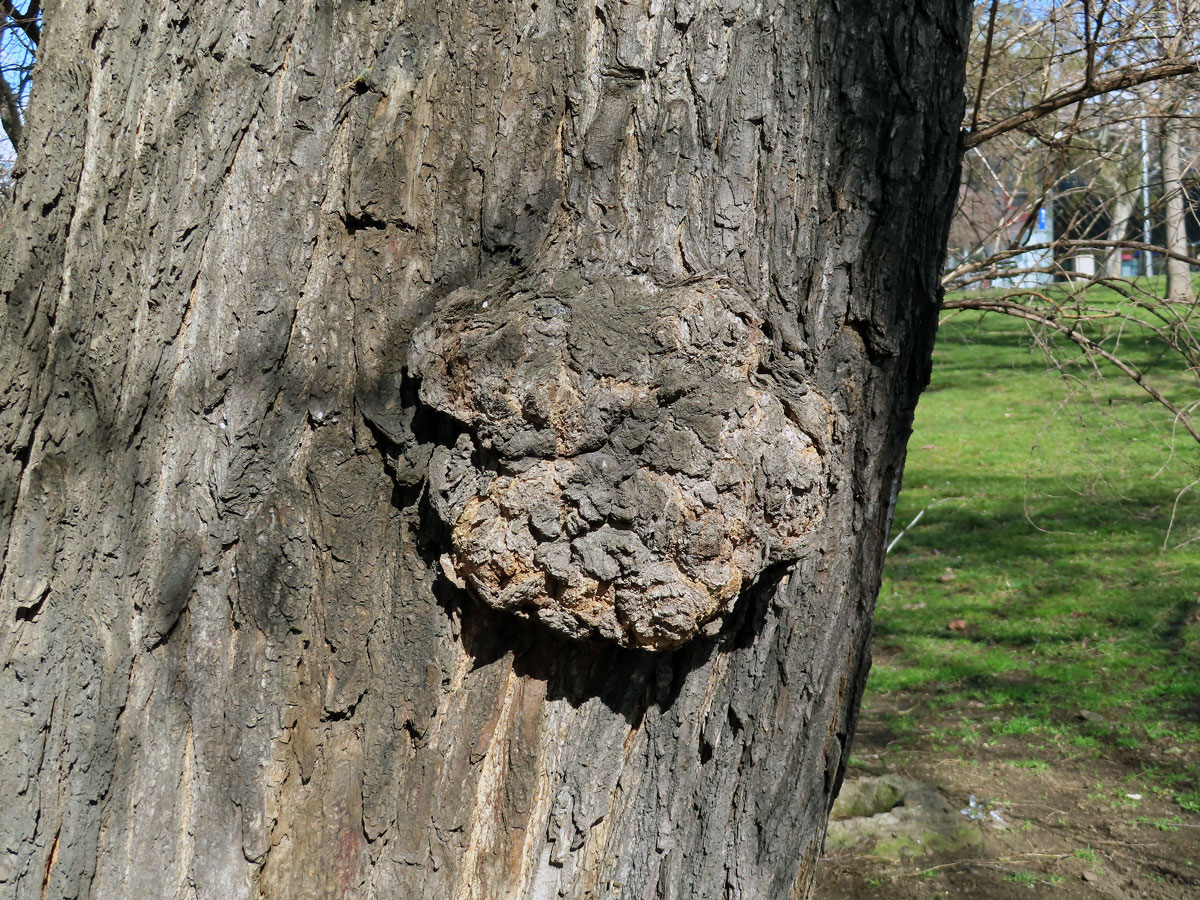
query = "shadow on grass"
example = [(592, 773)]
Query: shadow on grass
[(1077, 549), (972, 344), (1047, 622)]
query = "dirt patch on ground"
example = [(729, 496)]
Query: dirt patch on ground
[(1053, 822)]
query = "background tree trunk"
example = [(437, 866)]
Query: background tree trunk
[(1177, 22), (1179, 276), (1118, 229), (233, 666)]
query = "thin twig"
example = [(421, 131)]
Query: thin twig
[(916, 519)]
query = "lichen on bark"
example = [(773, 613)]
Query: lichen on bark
[(628, 462)]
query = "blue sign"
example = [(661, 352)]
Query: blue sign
[(1041, 220)]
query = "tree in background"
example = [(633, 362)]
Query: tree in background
[(1066, 101), (1178, 31), (20, 34)]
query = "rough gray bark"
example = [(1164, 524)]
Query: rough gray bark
[(235, 665)]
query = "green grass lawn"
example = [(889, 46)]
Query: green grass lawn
[(1061, 537)]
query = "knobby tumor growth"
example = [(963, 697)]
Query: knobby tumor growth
[(628, 463)]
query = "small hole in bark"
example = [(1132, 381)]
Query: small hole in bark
[(29, 612)]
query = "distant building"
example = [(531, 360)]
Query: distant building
[(1033, 267)]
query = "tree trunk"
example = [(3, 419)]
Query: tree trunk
[(1179, 276), (1118, 228), (1177, 23), (323, 324)]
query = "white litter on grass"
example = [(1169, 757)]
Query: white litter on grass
[(978, 812), (1134, 796), (974, 810)]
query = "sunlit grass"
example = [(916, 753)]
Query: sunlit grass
[(1056, 568)]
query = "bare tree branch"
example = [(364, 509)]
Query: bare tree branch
[(1116, 81), (10, 115), (27, 21), (1064, 243), (987, 58)]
